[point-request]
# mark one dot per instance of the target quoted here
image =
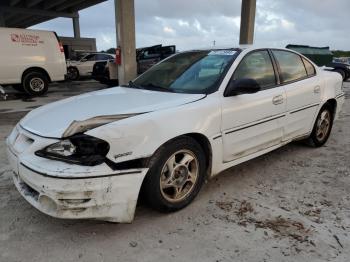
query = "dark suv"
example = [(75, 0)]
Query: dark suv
[(146, 57)]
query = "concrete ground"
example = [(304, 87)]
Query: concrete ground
[(292, 204)]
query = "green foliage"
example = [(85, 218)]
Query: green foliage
[(340, 53), (109, 51)]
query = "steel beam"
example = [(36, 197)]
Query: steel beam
[(19, 20), (32, 21), (38, 12), (247, 22), (31, 3), (77, 5), (14, 2), (2, 20), (52, 3)]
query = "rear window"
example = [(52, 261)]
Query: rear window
[(310, 69), (291, 66)]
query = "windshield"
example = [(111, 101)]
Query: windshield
[(195, 72)]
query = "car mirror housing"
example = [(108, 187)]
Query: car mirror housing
[(83, 60), (242, 86)]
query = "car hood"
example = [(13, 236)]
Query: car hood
[(53, 119)]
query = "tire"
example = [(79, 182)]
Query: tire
[(341, 72), (18, 87), (318, 138), (35, 83), (73, 73), (162, 195)]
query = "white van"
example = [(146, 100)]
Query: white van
[(30, 59)]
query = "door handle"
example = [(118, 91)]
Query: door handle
[(276, 100), (317, 89)]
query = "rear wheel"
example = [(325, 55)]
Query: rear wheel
[(35, 83), (322, 127), (176, 174)]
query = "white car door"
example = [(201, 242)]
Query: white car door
[(253, 122), (86, 65), (303, 90)]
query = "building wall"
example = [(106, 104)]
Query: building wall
[(71, 45)]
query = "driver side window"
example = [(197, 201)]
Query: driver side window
[(257, 66), (91, 57)]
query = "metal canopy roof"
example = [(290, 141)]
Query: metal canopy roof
[(26, 13)]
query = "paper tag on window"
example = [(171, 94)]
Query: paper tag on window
[(222, 52)]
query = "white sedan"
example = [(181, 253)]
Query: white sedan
[(185, 120)]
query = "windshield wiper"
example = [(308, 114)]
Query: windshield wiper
[(151, 86), (133, 85)]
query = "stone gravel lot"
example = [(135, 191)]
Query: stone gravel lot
[(292, 204)]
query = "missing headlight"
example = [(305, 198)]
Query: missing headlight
[(79, 149)]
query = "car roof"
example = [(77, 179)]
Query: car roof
[(239, 48)]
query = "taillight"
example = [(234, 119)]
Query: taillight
[(61, 47)]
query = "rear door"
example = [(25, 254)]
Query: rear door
[(303, 90), (86, 65), (253, 122)]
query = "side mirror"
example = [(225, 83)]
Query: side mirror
[(83, 60), (242, 86)]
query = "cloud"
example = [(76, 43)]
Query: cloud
[(198, 23)]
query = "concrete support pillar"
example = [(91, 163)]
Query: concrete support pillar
[(2, 20), (247, 22), (125, 26), (76, 27)]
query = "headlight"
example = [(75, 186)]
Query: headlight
[(79, 149), (63, 148), (348, 67)]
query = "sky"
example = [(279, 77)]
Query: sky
[(192, 24)]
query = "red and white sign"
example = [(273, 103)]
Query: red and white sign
[(26, 39)]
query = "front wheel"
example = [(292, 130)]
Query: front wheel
[(72, 73), (322, 127), (176, 174)]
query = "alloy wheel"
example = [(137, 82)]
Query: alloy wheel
[(179, 175)]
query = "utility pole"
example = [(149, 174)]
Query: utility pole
[(247, 22)]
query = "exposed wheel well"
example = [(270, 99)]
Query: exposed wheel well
[(205, 144), (332, 103), (36, 69)]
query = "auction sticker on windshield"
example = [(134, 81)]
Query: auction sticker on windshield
[(222, 52)]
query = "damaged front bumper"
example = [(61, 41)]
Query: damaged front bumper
[(69, 191)]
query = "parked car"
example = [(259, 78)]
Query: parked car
[(184, 120), (101, 73), (322, 56), (149, 56), (146, 57), (30, 59), (84, 67)]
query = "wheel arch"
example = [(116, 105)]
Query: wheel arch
[(332, 103), (204, 142), (36, 69)]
